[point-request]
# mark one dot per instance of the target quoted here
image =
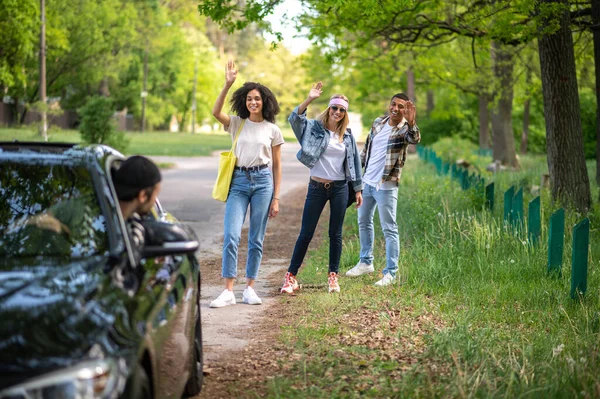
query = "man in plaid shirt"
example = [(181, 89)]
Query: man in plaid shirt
[(382, 159)]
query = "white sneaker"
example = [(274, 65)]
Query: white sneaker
[(249, 296), (386, 280), (225, 299), (360, 269)]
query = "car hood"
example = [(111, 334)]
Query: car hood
[(53, 314)]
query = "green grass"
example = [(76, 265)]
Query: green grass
[(149, 143), (475, 314)]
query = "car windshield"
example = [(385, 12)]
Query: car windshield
[(49, 210)]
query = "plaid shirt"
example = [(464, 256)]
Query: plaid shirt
[(400, 137)]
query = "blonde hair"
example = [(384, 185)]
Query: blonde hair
[(342, 124)]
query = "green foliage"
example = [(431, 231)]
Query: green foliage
[(18, 27), (452, 148), (289, 88), (97, 125), (587, 101), (433, 130), (453, 115), (227, 14)]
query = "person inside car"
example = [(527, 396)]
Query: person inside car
[(137, 182)]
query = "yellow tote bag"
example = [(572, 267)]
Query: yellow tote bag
[(225, 173)]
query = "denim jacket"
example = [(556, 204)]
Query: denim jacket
[(314, 139)]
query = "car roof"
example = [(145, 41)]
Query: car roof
[(35, 146), (39, 150)]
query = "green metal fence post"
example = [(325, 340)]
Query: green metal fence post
[(581, 242), (446, 168), (534, 221), (508, 200), (489, 196), (556, 240), (516, 217)]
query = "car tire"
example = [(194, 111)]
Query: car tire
[(194, 384)]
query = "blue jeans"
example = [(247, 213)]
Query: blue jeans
[(386, 202), (254, 188), (316, 198)]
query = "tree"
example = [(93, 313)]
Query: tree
[(80, 41), (434, 23), (502, 129), (566, 161), (19, 22), (596, 34)]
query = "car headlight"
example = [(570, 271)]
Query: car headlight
[(92, 379)]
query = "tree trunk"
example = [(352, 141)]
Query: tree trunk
[(596, 35), (43, 124), (104, 89), (430, 102), (23, 115), (410, 85), (503, 136), (525, 133), (484, 121), (526, 108), (569, 179)]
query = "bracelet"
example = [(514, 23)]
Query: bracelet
[(275, 198)]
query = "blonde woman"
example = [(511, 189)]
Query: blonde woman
[(329, 150)]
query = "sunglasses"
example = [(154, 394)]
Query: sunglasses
[(336, 108)]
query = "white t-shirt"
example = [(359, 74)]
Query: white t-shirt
[(253, 147), (330, 165), (374, 172)]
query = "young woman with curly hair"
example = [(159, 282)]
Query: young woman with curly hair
[(329, 150), (252, 184)]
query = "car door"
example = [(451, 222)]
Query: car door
[(172, 282), (166, 306)]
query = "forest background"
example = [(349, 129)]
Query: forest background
[(473, 68)]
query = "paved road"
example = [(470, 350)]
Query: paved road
[(186, 192)]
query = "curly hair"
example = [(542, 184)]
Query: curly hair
[(342, 124), (270, 106)]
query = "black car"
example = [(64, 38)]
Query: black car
[(80, 317)]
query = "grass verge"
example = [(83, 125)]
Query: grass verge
[(474, 315), (149, 143)]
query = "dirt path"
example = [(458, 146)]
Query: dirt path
[(240, 341)]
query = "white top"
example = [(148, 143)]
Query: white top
[(253, 147), (330, 165), (374, 171)]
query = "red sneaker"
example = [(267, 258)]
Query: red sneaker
[(333, 283), (290, 284)]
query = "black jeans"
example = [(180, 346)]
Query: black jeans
[(316, 198)]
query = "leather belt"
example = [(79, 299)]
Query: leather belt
[(250, 168)]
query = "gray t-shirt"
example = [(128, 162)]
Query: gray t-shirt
[(253, 147)]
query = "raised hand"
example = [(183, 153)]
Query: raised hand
[(230, 72), (316, 91), (410, 113)]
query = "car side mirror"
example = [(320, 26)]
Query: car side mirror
[(164, 238)]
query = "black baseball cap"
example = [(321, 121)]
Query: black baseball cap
[(135, 174)]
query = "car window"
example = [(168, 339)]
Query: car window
[(49, 209)]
